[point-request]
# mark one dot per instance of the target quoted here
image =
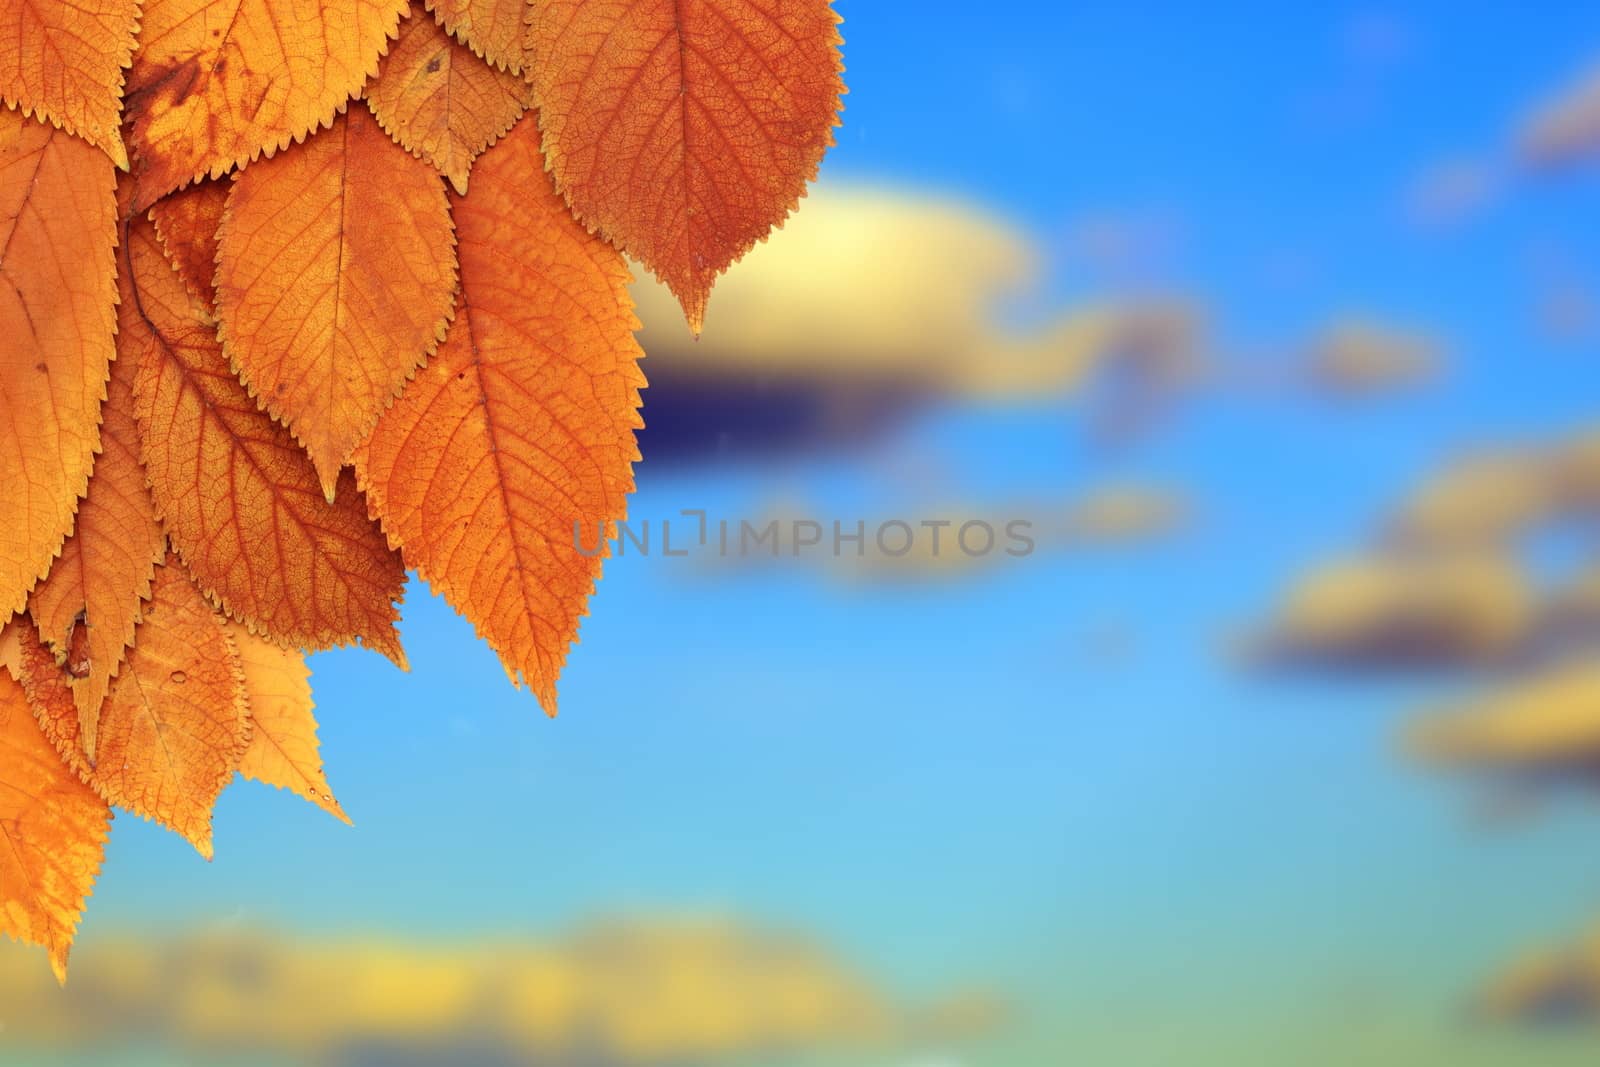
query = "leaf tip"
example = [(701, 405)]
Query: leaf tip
[(694, 311), (58, 963), (389, 647)]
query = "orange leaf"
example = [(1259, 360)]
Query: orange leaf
[(441, 102), (493, 29), (283, 748), (58, 320), (684, 130), (174, 725), (63, 61), (10, 652), (54, 828), (216, 83), (186, 224), (86, 608), (522, 423), (240, 501), (336, 276)]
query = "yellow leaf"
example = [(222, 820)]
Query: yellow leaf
[(522, 423), (493, 29), (85, 610), (216, 83), (336, 276), (685, 130), (174, 725), (441, 102), (58, 319), (240, 500), (10, 652), (283, 748), (54, 828), (63, 61)]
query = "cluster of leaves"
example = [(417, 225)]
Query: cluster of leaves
[(259, 361)]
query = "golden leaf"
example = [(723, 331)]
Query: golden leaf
[(179, 518), (441, 102), (493, 29), (54, 828), (522, 423), (283, 748), (63, 62), (174, 725), (240, 500), (85, 610), (216, 83), (10, 651), (336, 276), (58, 318), (684, 130)]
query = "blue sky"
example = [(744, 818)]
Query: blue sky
[(941, 781)]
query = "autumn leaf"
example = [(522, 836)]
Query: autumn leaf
[(441, 102), (217, 83), (246, 386), (58, 318), (10, 651), (493, 29), (174, 725), (239, 499), (685, 130), (521, 425), (55, 831), (85, 610), (336, 277), (186, 225), (283, 748), (64, 62)]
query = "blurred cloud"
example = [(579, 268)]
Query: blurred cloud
[(1497, 495), (1574, 606), (1545, 727), (1358, 358), (1453, 579), (874, 301), (1126, 513), (1484, 498), (1561, 131), (1548, 986), (1452, 192), (1373, 613), (626, 993), (1566, 128), (1347, 359)]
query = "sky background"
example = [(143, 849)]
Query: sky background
[(1151, 856)]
